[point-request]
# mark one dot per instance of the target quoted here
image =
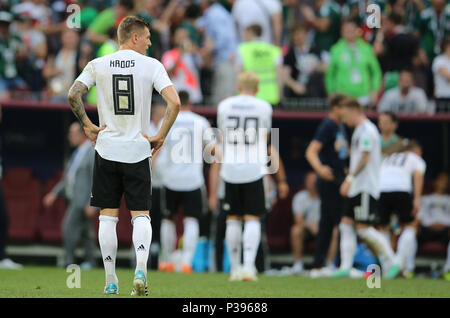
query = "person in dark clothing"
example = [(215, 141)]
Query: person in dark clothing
[(327, 154)]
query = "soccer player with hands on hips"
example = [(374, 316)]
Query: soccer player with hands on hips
[(125, 81)]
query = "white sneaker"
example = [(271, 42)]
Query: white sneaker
[(9, 264), (297, 268), (235, 276), (249, 275)]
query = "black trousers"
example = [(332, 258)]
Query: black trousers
[(331, 203), (4, 222)]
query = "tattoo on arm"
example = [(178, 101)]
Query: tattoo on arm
[(75, 100), (362, 163)]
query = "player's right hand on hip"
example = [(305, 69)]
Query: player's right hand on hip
[(155, 142), (92, 132)]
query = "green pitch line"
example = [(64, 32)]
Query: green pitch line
[(43, 282)]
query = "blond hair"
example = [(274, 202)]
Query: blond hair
[(248, 81), (128, 26)]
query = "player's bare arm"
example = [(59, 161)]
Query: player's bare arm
[(312, 155), (172, 99), (345, 186), (280, 176), (418, 187), (75, 97)]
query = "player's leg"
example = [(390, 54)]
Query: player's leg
[(107, 238), (168, 230), (194, 205), (297, 237), (385, 209), (253, 202), (137, 192), (447, 263), (406, 241), (107, 190), (348, 238), (333, 248)]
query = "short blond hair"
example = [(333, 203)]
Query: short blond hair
[(128, 26), (248, 81)]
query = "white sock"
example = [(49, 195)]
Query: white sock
[(376, 240), (347, 245), (168, 239), (251, 239), (410, 262), (233, 238), (447, 263), (190, 238), (107, 239), (384, 261), (142, 238), (405, 245)]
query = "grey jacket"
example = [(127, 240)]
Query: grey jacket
[(82, 182)]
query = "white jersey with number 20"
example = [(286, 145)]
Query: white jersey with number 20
[(125, 81)]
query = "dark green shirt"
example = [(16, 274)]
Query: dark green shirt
[(325, 40)]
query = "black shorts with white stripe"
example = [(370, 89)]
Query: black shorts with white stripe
[(362, 208)]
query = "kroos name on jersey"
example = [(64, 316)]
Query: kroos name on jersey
[(121, 64)]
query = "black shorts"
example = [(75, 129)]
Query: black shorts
[(244, 198), (193, 203), (113, 179), (362, 208), (398, 203)]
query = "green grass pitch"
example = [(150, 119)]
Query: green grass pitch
[(44, 282)]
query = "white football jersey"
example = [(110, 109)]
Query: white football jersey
[(125, 81), (181, 157), (397, 171), (434, 208), (366, 139), (156, 171), (244, 122)]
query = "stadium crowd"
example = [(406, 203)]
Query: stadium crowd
[(304, 49)]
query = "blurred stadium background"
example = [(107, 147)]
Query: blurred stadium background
[(40, 58)]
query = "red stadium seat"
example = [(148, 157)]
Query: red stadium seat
[(279, 222), (50, 220), (432, 249), (23, 201)]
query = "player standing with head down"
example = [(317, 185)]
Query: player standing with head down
[(361, 188), (124, 81)]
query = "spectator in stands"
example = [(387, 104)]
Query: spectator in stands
[(30, 68), (434, 216), (406, 98), (76, 186), (266, 13), (390, 141), (221, 41), (97, 31), (433, 26), (327, 154), (441, 72), (306, 208), (182, 64), (303, 71), (265, 60), (10, 49), (326, 22), (5, 262), (410, 11), (353, 68), (60, 70)]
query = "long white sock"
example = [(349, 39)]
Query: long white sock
[(410, 262), (405, 245), (251, 240), (107, 239), (447, 263), (190, 238), (347, 245), (168, 239), (376, 240), (142, 238), (233, 238)]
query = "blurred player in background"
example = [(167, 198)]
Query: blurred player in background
[(157, 114), (361, 188), (401, 185), (181, 164), (390, 141), (327, 154), (245, 123), (125, 81)]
